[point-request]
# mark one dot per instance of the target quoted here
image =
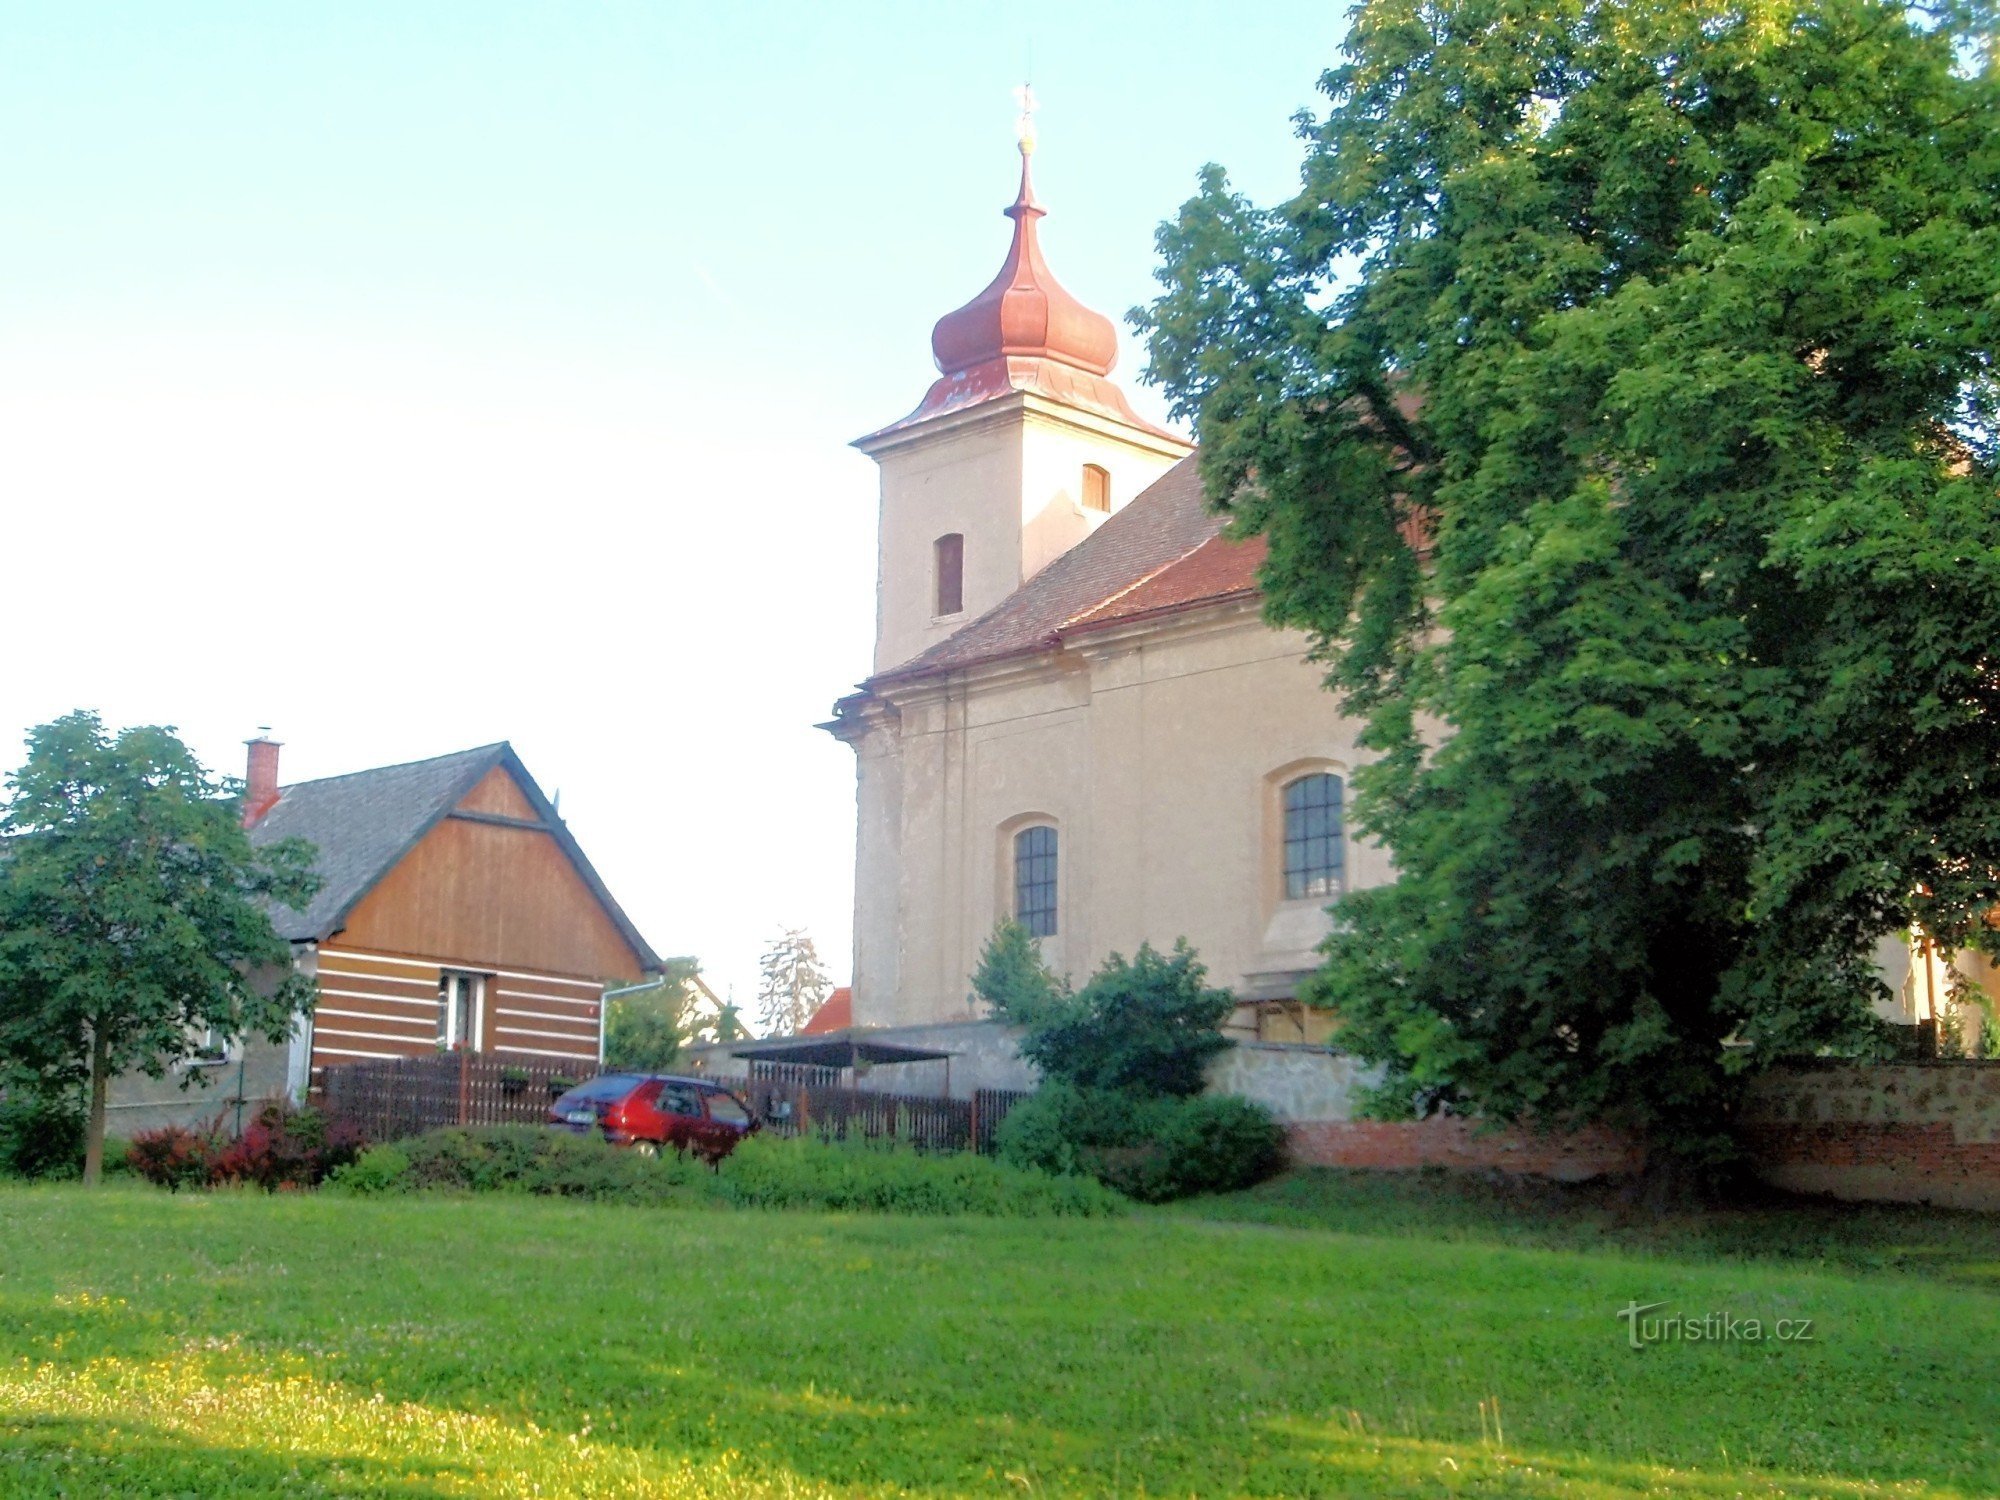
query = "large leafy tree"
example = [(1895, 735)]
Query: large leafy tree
[(1617, 397), (133, 912)]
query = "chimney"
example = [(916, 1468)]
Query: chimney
[(260, 781)]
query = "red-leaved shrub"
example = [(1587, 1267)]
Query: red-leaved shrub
[(282, 1147), (175, 1157)]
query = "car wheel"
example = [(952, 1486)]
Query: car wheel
[(646, 1148)]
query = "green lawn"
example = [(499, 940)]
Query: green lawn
[(1340, 1342)]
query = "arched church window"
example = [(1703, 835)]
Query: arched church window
[(951, 573), (1096, 488), (1315, 845), (1035, 880)]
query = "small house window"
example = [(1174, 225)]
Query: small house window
[(207, 1047), (950, 574), (458, 1011), (1035, 880), (1315, 848), (1096, 488)]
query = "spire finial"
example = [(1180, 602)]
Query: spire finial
[(1024, 126)]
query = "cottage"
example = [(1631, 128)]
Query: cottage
[(457, 911)]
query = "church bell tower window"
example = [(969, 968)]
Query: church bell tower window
[(950, 574), (1096, 488)]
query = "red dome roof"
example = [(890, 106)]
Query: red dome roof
[(1024, 311)]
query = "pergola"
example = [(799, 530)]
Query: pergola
[(840, 1049)]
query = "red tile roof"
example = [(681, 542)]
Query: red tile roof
[(1161, 552), (836, 1014)]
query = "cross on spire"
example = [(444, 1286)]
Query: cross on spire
[(1024, 126)]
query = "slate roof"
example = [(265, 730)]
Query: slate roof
[(1162, 552), (364, 823)]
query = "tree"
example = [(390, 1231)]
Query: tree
[(645, 1030), (1012, 978), (134, 912), (1617, 399), (1148, 1026), (791, 985)]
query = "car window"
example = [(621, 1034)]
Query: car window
[(727, 1109), (681, 1099), (605, 1086)]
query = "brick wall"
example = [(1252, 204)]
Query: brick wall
[(1398, 1145), (1895, 1132)]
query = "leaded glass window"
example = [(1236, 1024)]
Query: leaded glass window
[(1035, 880), (1315, 850)]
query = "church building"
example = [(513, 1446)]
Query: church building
[(1076, 716)]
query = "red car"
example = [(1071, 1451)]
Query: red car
[(648, 1112)]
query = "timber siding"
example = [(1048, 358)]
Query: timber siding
[(383, 1005)]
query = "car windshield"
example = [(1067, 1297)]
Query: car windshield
[(723, 1107), (606, 1086)]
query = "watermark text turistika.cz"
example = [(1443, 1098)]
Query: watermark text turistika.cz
[(1641, 1328)]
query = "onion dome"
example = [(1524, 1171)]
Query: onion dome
[(1023, 336), (1024, 311)]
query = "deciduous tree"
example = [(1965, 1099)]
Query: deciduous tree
[(1012, 978), (1617, 398), (133, 912), (645, 1030)]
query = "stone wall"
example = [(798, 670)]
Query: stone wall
[(1296, 1082), (1896, 1132)]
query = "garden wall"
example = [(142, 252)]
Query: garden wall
[(1899, 1132), (1926, 1132)]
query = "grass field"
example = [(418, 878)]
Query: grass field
[(1324, 1336)]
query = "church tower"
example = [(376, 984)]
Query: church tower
[(1020, 449)]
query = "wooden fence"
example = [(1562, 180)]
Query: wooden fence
[(393, 1099), (406, 1096)]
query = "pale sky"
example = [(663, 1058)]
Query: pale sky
[(412, 376)]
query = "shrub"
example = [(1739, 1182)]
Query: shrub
[(882, 1177), (762, 1173), (1149, 1026), (287, 1147), (521, 1159), (41, 1132), (1012, 978), (282, 1147), (1152, 1149), (379, 1169), (175, 1157)]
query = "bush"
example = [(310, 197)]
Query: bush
[(41, 1133), (287, 1147), (282, 1147), (1152, 1149), (175, 1157), (520, 1159), (886, 1178), (1148, 1027), (762, 1173)]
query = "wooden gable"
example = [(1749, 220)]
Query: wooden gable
[(491, 888)]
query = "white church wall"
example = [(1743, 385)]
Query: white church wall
[(959, 476), (1157, 756)]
